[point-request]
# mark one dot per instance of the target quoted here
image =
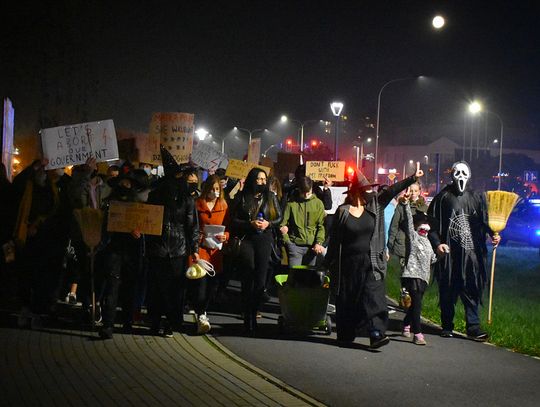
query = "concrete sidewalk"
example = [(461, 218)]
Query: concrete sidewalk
[(57, 366)]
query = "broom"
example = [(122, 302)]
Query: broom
[(500, 205), (90, 222)]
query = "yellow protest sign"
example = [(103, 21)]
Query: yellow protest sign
[(240, 169), (129, 216), (318, 170)]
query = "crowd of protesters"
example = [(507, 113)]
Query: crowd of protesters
[(267, 219)]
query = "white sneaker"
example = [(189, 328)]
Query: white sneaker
[(203, 324)]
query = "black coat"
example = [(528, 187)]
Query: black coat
[(243, 213), (180, 235)]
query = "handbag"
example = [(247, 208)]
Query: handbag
[(232, 246), (200, 269)]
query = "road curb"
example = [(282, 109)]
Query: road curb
[(261, 373)]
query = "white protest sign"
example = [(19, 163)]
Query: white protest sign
[(318, 170), (74, 144), (338, 197), (205, 156)]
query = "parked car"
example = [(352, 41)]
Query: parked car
[(524, 224)]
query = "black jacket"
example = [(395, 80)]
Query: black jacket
[(242, 214), (180, 234)]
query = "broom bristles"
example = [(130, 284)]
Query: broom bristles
[(500, 205), (90, 221)]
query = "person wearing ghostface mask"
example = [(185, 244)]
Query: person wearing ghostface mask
[(460, 236), (256, 211), (356, 258)]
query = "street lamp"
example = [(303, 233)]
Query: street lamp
[(336, 107), (285, 119), (268, 149), (475, 108), (375, 160), (360, 153), (223, 141), (250, 132), (201, 133)]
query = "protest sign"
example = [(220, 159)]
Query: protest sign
[(205, 156), (254, 151), (318, 170), (74, 144), (338, 197), (175, 132), (240, 169), (129, 216)]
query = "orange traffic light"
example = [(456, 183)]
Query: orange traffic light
[(289, 142), (314, 143)]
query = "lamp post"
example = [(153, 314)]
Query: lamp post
[(336, 107), (223, 142), (475, 108), (201, 133), (285, 119), (375, 159), (268, 149), (360, 152), (250, 132)]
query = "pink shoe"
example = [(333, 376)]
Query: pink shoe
[(419, 339)]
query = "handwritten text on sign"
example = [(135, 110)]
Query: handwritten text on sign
[(205, 156), (129, 216), (72, 145), (240, 169), (318, 170), (173, 130)]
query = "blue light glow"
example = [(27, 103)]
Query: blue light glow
[(537, 233)]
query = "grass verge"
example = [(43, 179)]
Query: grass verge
[(516, 299)]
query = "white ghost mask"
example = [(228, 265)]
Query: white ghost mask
[(461, 173)]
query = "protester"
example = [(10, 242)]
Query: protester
[(415, 268), (122, 260), (320, 189), (256, 211), (168, 253), (212, 209), (396, 235), (41, 237), (357, 259), (7, 223), (303, 225), (460, 236)]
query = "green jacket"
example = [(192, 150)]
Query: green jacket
[(305, 220)]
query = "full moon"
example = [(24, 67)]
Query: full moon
[(438, 22)]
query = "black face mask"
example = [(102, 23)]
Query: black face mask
[(259, 189), (192, 188), (123, 191)]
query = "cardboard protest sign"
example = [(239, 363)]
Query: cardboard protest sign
[(318, 170), (128, 216), (254, 151), (74, 144), (240, 169), (173, 130), (205, 156)]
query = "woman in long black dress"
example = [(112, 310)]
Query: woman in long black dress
[(357, 259)]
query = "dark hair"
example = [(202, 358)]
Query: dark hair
[(220, 172), (305, 184), (113, 168), (353, 195), (251, 180), (249, 192)]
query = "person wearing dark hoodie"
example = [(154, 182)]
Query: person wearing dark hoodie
[(168, 254)]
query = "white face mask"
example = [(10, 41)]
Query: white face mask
[(147, 170), (461, 174), (213, 195)]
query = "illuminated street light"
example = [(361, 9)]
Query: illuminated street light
[(438, 22), (375, 164), (201, 133), (285, 119), (250, 132), (336, 107), (360, 152), (476, 108)]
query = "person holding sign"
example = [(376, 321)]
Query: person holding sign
[(256, 213), (356, 258), (122, 259), (168, 253), (212, 210)]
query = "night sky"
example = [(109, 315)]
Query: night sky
[(246, 63)]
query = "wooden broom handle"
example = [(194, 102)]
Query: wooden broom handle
[(492, 278)]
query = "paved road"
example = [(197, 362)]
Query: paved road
[(446, 372)]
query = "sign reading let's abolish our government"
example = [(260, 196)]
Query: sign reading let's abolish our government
[(74, 144), (319, 170)]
